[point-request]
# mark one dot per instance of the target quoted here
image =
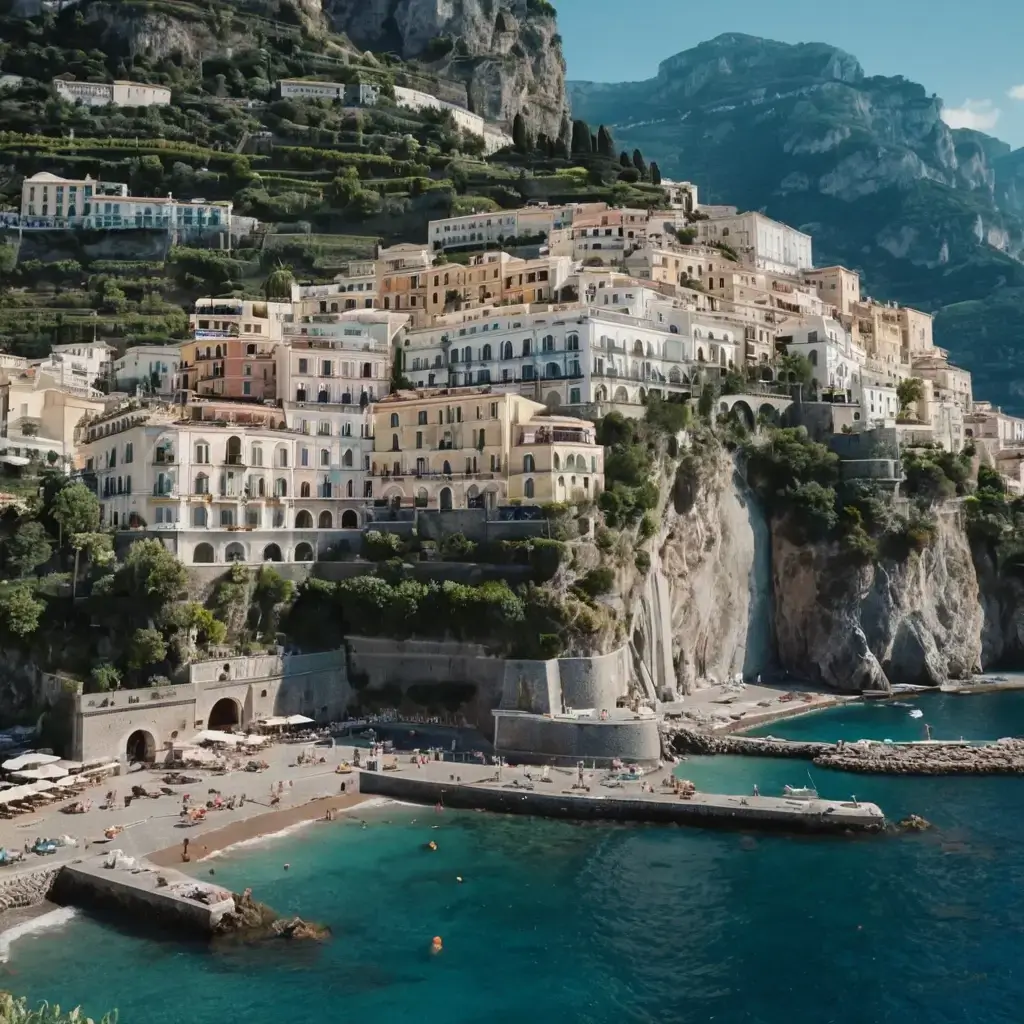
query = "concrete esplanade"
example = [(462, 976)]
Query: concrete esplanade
[(476, 787)]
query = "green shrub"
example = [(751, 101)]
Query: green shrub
[(597, 582), (379, 547), (642, 562)]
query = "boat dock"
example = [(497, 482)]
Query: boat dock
[(149, 895), (480, 787)]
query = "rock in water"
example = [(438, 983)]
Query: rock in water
[(914, 823), (296, 928), (254, 920)]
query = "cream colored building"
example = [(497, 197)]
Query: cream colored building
[(759, 241), (466, 447), (837, 286), (220, 481), (117, 94)]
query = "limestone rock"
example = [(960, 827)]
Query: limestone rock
[(508, 56), (919, 621)]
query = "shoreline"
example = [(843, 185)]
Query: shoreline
[(259, 827)]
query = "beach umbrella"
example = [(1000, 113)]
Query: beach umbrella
[(46, 771), (298, 720), (22, 761)]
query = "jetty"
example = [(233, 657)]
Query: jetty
[(480, 787)]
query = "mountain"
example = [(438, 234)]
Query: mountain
[(930, 216)]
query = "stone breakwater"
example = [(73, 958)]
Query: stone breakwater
[(693, 741), (28, 890), (1006, 757)]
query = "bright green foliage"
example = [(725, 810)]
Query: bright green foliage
[(597, 582), (908, 392), (102, 678), (28, 549), (154, 575), (19, 609), (17, 1011), (77, 510), (146, 648)]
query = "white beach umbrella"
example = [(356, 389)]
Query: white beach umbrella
[(22, 761)]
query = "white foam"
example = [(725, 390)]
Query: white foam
[(52, 919), (376, 801)]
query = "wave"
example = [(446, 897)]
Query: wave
[(372, 802), (51, 919)]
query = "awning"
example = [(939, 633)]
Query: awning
[(22, 761), (274, 722), (214, 736), (46, 771), (299, 720)]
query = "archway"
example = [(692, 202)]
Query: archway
[(769, 414), (203, 553), (304, 552), (235, 552), (304, 520), (349, 520), (326, 521), (744, 414), (225, 714), (446, 498), (141, 747), (272, 553), (553, 400)]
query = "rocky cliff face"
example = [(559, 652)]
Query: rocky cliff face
[(930, 216), (704, 612), (918, 621), (507, 52), (730, 593)]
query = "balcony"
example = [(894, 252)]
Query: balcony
[(167, 493), (545, 435), (390, 474)]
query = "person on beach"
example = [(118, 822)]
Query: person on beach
[(184, 850)]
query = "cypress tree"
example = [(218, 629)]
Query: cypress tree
[(638, 163), (624, 160), (655, 173), (580, 137), (519, 137), (605, 143)]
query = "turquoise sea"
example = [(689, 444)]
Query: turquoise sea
[(608, 925)]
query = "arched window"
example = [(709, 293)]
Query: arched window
[(326, 521), (812, 357), (547, 343), (325, 457), (349, 489), (446, 469), (303, 520), (506, 350), (485, 353), (346, 459), (394, 419), (395, 447), (527, 347), (467, 355), (552, 370), (528, 488), (529, 465), (202, 484), (572, 342), (304, 491), (558, 461)]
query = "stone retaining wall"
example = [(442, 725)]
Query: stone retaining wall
[(26, 890), (693, 741)]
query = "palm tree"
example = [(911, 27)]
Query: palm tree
[(278, 284)]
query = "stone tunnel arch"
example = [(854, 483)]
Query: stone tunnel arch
[(140, 747), (225, 714)]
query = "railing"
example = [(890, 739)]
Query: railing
[(390, 474), (544, 436)]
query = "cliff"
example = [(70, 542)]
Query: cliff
[(729, 592), (931, 216), (507, 52)]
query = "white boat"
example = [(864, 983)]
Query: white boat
[(800, 792)]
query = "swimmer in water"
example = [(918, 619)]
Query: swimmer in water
[(436, 945)]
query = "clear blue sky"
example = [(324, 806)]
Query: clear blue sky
[(971, 54)]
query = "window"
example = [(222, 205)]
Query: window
[(303, 366), (419, 438), (394, 443), (325, 457), (421, 418), (202, 484), (304, 490), (203, 453), (129, 452), (257, 455), (394, 419), (528, 488), (529, 466)]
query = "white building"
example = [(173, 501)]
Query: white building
[(117, 94), (494, 138), (153, 368), (760, 241), (501, 225), (330, 369), (570, 356), (49, 201), (219, 482), (355, 94), (77, 367), (354, 288)]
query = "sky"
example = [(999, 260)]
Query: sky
[(972, 56)]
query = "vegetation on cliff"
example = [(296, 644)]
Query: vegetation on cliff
[(18, 1011)]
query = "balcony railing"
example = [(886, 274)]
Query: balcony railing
[(546, 436), (430, 474)]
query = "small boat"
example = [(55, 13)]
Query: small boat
[(800, 792), (917, 713)]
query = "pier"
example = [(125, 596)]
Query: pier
[(478, 787), (150, 895)]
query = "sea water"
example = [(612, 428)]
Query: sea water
[(602, 924)]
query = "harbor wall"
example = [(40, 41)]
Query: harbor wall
[(722, 812), (27, 889), (533, 739), (138, 897)]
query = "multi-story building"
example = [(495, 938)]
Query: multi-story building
[(78, 366), (494, 136), (496, 228), (354, 288), (682, 195), (49, 201), (117, 94), (837, 286), (353, 94), (473, 447), (836, 361), (760, 241), (38, 416), (218, 481), (605, 236), (231, 353), (878, 329), (994, 429), (331, 369), (576, 355), (153, 368)]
